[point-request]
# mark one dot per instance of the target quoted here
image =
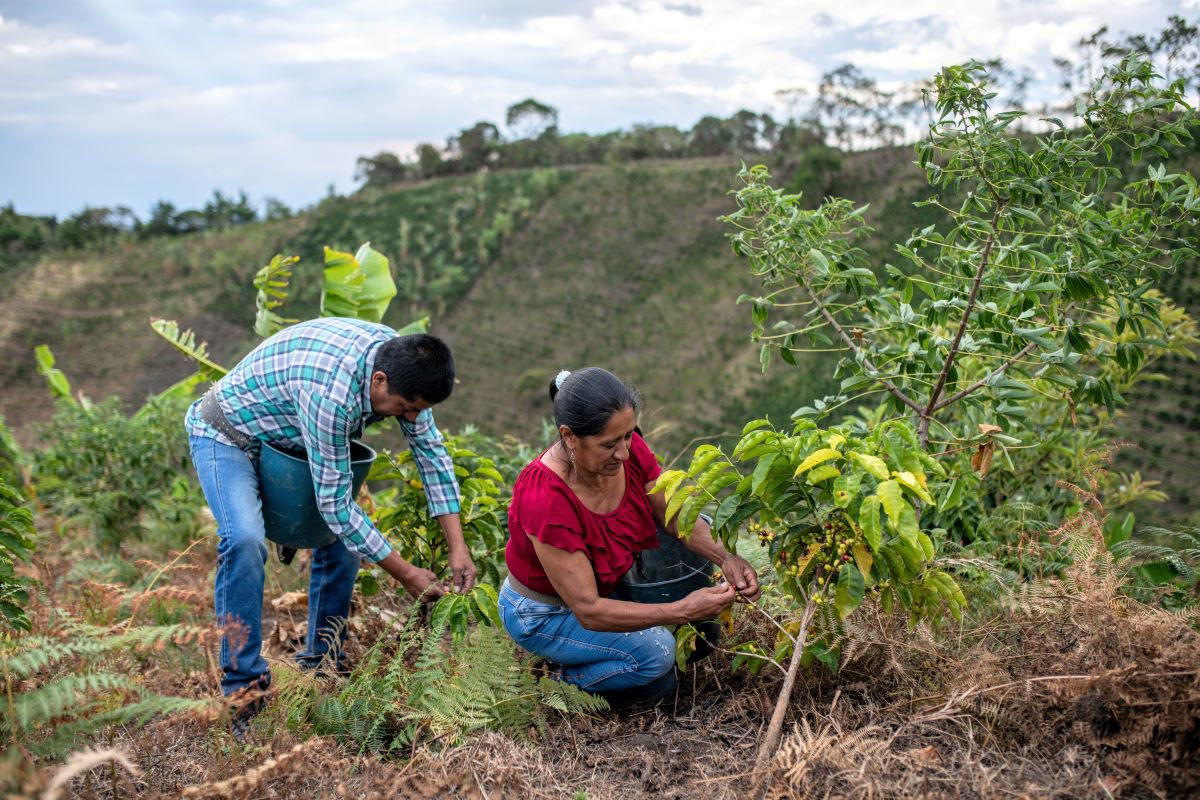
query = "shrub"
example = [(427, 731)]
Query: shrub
[(118, 476)]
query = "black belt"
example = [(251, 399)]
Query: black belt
[(210, 412)]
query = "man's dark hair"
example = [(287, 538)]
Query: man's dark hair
[(588, 398), (417, 366)]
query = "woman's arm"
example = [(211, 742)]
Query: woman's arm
[(736, 569), (573, 580)]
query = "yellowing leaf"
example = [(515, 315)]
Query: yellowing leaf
[(871, 464), (823, 473), (835, 440), (910, 482), (864, 560), (818, 457), (892, 498), (802, 562)]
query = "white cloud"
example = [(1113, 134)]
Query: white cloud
[(249, 84)]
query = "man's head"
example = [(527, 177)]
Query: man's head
[(411, 374)]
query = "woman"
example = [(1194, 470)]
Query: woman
[(580, 512)]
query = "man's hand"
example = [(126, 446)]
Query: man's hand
[(420, 583), (462, 570), (423, 585), (741, 575)]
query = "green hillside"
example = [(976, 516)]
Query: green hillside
[(524, 272)]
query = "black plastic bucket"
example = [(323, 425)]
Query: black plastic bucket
[(671, 573), (289, 502)]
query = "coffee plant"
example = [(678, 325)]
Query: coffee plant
[(1024, 312)]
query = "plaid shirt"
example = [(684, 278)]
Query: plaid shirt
[(309, 387)]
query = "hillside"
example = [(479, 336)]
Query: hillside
[(525, 272)]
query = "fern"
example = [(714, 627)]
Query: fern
[(426, 682), (64, 690), (1164, 563)]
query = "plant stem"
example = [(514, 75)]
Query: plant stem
[(985, 258), (854, 348), (762, 775), (954, 398)]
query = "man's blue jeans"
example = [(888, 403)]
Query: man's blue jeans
[(593, 660), (229, 479)]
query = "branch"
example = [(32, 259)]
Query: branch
[(984, 260), (954, 398), (854, 348)]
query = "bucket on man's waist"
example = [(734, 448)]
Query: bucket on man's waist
[(289, 501)]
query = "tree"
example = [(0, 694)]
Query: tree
[(529, 119), (710, 136), (380, 170), (276, 209), (163, 221), (429, 160), (1180, 43), (94, 225), (854, 110), (475, 147), (1031, 302)]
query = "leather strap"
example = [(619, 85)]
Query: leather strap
[(210, 412)]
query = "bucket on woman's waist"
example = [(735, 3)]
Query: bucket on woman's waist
[(289, 501), (669, 573)]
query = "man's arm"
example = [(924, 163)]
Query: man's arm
[(324, 431), (441, 492), (462, 568)]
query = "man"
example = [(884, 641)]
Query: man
[(315, 386)]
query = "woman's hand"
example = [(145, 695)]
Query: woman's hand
[(707, 603), (741, 575)]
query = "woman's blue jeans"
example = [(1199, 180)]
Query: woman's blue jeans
[(229, 479), (593, 660)]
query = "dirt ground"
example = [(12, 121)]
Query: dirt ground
[(1067, 689)]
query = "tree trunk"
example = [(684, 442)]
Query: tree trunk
[(762, 775)]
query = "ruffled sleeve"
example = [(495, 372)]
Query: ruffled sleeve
[(542, 509)]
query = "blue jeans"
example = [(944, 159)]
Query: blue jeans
[(229, 479), (593, 660)]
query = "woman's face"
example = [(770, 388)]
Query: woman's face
[(605, 452)]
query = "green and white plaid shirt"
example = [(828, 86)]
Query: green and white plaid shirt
[(309, 386)]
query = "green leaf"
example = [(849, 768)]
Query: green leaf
[(685, 644), (850, 590), (343, 281), (668, 482), (761, 471), (185, 342), (272, 285), (705, 454), (59, 386), (868, 520), (378, 288)]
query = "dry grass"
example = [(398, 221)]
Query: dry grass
[(1066, 689)]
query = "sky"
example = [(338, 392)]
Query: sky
[(126, 102)]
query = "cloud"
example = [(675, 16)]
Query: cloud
[(291, 91)]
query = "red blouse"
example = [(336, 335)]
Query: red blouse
[(544, 506)]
